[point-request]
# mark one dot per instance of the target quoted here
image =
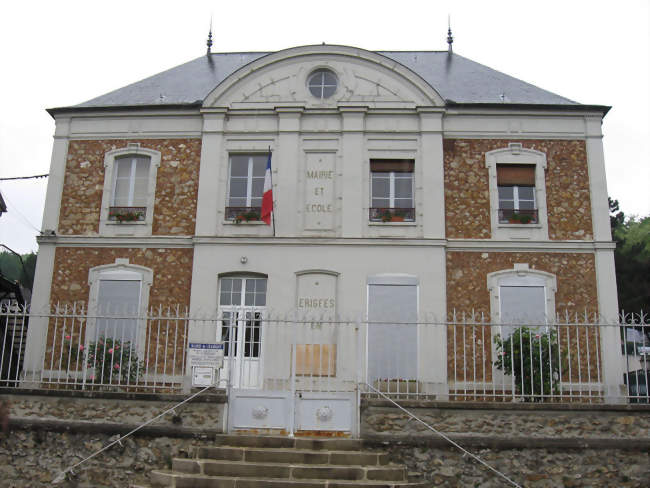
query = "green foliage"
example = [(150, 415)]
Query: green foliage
[(114, 361), (111, 361), (531, 356), (12, 269), (632, 258)]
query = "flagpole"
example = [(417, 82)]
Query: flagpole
[(273, 211)]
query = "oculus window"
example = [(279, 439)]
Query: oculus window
[(322, 83)]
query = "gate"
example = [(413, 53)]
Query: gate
[(307, 375)]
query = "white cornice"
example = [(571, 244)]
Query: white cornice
[(468, 245)]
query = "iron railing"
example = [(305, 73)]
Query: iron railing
[(244, 214), (466, 357), (127, 214), (512, 216), (378, 214)]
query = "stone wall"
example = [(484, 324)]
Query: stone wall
[(467, 198), (534, 445), (205, 411), (176, 185)]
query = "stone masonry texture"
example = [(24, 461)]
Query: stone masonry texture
[(467, 198), (467, 292), (176, 185), (172, 279)]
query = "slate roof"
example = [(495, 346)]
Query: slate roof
[(458, 80)]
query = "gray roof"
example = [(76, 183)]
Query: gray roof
[(457, 79)]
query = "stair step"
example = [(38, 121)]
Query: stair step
[(316, 444), (166, 478), (296, 456), (294, 471)]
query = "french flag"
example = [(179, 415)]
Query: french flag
[(267, 196)]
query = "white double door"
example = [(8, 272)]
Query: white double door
[(242, 304)]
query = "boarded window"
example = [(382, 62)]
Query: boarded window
[(118, 304), (316, 359), (522, 305)]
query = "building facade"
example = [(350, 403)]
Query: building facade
[(408, 187)]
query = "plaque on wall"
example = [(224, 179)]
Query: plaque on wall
[(320, 174)]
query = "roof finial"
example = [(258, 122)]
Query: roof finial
[(209, 43), (450, 38)]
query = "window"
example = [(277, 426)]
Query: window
[(119, 295), (322, 83), (521, 296), (246, 186), (129, 190), (516, 187), (391, 192)]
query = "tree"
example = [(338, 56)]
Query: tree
[(13, 269), (632, 258)]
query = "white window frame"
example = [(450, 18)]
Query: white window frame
[(249, 179), (521, 275), (120, 270), (136, 228), (516, 154), (391, 190)]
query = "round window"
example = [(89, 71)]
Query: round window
[(322, 83)]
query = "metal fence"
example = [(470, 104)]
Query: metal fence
[(463, 358)]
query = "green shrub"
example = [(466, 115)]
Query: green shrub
[(533, 357)]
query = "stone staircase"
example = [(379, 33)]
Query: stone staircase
[(263, 461)]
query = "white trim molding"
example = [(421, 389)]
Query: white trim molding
[(139, 228), (120, 270), (516, 154), (521, 275)]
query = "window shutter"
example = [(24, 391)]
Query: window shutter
[(394, 165), (516, 174)]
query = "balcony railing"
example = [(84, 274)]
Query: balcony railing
[(512, 216), (127, 214), (379, 214), (244, 214)]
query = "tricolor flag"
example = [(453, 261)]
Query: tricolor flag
[(267, 196)]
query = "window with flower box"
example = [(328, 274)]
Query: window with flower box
[(245, 187), (391, 190)]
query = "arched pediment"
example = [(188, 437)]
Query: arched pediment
[(364, 78)]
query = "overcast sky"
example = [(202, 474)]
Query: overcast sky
[(65, 52)]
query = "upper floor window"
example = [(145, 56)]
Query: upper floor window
[(516, 187), (246, 187), (129, 190), (391, 192)]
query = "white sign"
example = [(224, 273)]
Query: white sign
[(202, 376), (205, 355)]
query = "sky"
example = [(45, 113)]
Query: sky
[(65, 52)]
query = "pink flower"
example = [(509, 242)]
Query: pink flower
[(81, 348), (67, 337), (116, 366), (92, 377), (110, 351)]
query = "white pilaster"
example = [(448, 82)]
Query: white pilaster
[(287, 162), (352, 205), (210, 200), (56, 175), (613, 360), (432, 211), (40, 307)]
